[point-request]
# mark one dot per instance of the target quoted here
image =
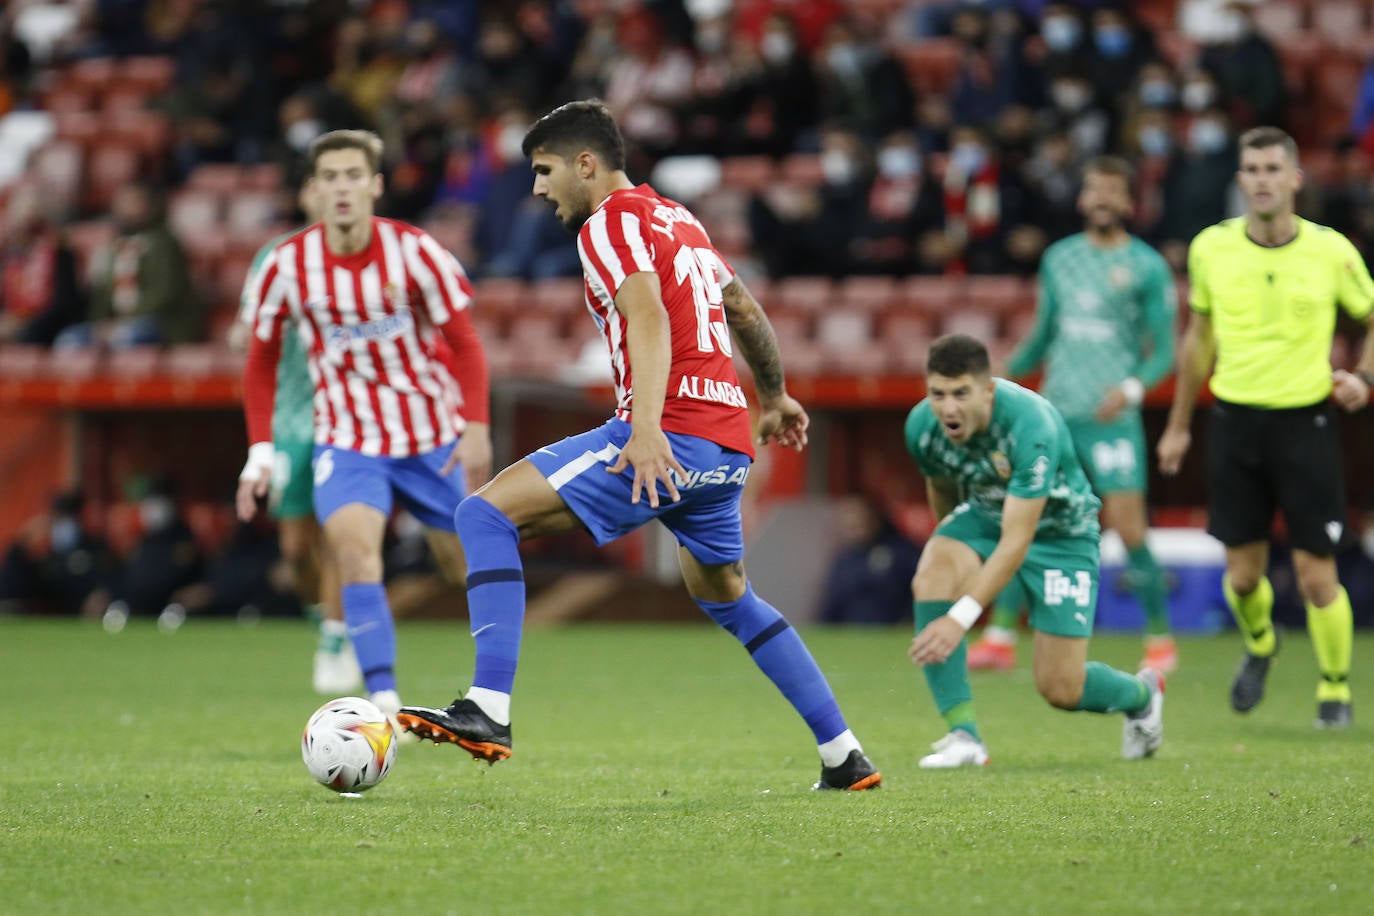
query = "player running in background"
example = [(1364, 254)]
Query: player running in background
[(1014, 505), (1265, 288), (291, 500), (368, 296), (1104, 330), (678, 448)]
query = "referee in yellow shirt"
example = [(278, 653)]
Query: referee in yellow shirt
[(1265, 287)]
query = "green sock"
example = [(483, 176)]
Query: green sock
[(333, 633), (1106, 689), (1253, 615), (948, 680), (1146, 581), (1331, 629), (1005, 616)]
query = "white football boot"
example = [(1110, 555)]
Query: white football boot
[(1143, 731), (957, 749), (337, 674)]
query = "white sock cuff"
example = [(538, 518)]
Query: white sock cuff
[(835, 751), (333, 627), (492, 702)]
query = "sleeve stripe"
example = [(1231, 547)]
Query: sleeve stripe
[(446, 267), (603, 251), (634, 240)]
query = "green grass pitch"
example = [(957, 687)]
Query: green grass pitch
[(656, 771)]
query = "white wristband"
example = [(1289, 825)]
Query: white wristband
[(966, 611), (1134, 390), (261, 456)]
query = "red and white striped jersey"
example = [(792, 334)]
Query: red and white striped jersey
[(369, 323), (637, 230)]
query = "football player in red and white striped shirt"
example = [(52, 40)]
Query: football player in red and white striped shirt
[(399, 374), (678, 448)]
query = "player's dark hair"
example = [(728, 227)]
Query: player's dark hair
[(1114, 166), (1265, 137), (958, 354), (364, 141), (576, 127)]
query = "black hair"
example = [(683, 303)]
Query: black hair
[(958, 354), (576, 127)]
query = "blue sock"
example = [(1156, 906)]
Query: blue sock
[(496, 591), (372, 632), (780, 653)]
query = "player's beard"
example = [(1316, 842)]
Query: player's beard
[(577, 211)]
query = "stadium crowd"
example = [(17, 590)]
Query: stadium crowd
[(815, 136)]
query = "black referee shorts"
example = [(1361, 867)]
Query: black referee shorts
[(1259, 460)]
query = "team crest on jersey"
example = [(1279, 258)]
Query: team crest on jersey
[(1120, 276), (395, 296), (1001, 464)]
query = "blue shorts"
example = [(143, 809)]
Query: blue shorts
[(343, 476), (706, 521)]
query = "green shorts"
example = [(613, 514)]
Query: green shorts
[(293, 479), (1113, 453), (1057, 581)]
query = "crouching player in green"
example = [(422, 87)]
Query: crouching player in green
[(1014, 507)]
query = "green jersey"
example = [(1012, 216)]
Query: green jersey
[(293, 413), (1104, 315), (1025, 452)]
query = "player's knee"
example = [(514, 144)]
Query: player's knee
[(932, 585), (357, 562), (1060, 691), (1243, 579), (476, 517)]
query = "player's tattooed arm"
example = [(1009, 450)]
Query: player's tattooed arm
[(756, 339)]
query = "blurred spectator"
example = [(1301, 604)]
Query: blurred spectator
[(983, 202), (517, 233), (141, 290), (1197, 184), (1200, 91), (903, 203), (1119, 49), (1248, 72), (165, 559), (246, 577), (57, 565), (780, 107), (367, 60), (16, 70), (1347, 201), (39, 295), (811, 17), (1151, 145), (800, 230), (1052, 178), (1076, 109), (862, 87), (1063, 34), (210, 116), (645, 87), (991, 73), (870, 575)]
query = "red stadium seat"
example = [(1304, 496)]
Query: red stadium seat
[(844, 330), (868, 294), (804, 294), (933, 295), (220, 178), (1277, 18), (931, 64), (56, 167), (747, 173), (193, 360), (134, 362), (1339, 22), (251, 213), (982, 325), (503, 298), (82, 127), (149, 131), (558, 296), (92, 74), (151, 74), (264, 176), (997, 294), (65, 99), (193, 210)]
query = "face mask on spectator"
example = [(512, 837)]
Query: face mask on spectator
[(710, 40), (1070, 97), (843, 59), (968, 158), (299, 135), (1198, 95), (1157, 94), (508, 143), (1154, 141), (897, 162), (1207, 136), (837, 167), (64, 533), (1112, 40), (1061, 33), (156, 512), (777, 47)]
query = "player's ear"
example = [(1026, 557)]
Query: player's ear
[(586, 164), (377, 186)]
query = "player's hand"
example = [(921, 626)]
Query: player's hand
[(784, 421), (473, 452), (1172, 448), (936, 641), (1114, 402), (254, 480), (1349, 390), (651, 456)]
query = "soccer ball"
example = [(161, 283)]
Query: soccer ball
[(348, 745)]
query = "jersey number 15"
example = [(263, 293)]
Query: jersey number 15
[(700, 268)]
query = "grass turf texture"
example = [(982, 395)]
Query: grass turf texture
[(656, 771)]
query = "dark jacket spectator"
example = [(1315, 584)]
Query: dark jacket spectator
[(870, 576), (57, 565)]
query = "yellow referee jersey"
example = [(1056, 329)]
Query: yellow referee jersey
[(1273, 310)]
